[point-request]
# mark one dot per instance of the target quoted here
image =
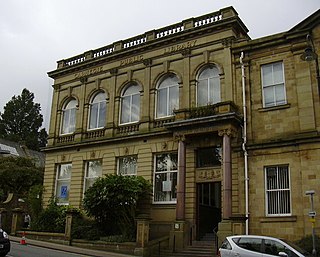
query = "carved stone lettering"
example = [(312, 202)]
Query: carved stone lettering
[(179, 47), (88, 72), (131, 60)]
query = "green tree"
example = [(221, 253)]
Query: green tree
[(21, 121), (18, 175), (113, 201)]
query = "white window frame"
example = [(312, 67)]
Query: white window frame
[(91, 177), (210, 84), (127, 165), (60, 180), (274, 85), (171, 176), (278, 191), (130, 96), (68, 122), (98, 103), (170, 82)]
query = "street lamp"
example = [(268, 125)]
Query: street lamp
[(310, 55), (312, 215)]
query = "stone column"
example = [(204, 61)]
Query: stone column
[(181, 184), (225, 226), (227, 174), (179, 232)]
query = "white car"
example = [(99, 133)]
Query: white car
[(259, 246)]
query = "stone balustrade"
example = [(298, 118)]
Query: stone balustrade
[(150, 36)]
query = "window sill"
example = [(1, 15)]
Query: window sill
[(278, 219), (274, 108)]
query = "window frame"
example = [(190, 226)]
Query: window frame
[(216, 153), (278, 205), (102, 104), (174, 178), (130, 96), (209, 86), (87, 177), (274, 85), (135, 167), (71, 111), (61, 180), (165, 86)]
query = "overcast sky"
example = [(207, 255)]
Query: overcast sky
[(35, 34)]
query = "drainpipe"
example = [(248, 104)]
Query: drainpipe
[(244, 137)]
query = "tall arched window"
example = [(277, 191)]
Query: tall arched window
[(167, 96), (69, 117), (130, 104), (98, 108), (208, 88)]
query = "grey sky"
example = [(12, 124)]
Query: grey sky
[(35, 34)]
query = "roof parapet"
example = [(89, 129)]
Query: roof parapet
[(153, 35)]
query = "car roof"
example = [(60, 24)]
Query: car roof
[(255, 236)]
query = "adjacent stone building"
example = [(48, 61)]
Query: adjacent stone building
[(226, 128)]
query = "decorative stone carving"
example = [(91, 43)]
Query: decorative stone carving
[(229, 132)]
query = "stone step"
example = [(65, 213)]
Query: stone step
[(194, 251)]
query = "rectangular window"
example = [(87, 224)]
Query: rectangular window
[(208, 157), (277, 185), (165, 178), (93, 170), (127, 166), (273, 85), (63, 180)]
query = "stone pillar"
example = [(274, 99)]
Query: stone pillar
[(142, 238), (227, 174), (225, 226), (181, 184), (70, 214), (179, 232), (17, 219)]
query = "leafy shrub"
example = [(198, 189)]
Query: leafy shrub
[(84, 228), (113, 202), (51, 219)]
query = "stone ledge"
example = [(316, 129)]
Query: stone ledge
[(278, 219)]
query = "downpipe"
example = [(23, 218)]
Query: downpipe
[(244, 142)]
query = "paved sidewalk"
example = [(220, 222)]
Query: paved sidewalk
[(71, 249)]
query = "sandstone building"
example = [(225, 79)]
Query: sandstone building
[(226, 128)]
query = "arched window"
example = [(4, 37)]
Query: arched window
[(208, 88), (130, 104), (167, 96), (98, 108), (69, 117)]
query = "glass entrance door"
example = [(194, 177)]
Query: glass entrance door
[(208, 207)]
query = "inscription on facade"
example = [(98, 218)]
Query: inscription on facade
[(208, 175), (131, 60), (180, 47), (88, 72)]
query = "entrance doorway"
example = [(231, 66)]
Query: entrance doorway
[(208, 207)]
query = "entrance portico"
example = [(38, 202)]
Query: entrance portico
[(220, 128)]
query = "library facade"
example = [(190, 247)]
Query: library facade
[(226, 128)]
